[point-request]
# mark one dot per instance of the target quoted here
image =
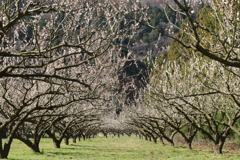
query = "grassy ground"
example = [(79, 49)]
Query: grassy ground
[(123, 148)]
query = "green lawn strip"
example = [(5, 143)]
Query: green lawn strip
[(123, 148)]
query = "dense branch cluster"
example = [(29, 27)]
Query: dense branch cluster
[(194, 91), (58, 65), (67, 70)]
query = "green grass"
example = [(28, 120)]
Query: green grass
[(114, 149)]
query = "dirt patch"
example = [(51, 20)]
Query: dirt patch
[(206, 144)]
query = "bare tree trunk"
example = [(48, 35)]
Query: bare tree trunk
[(57, 143), (34, 146), (66, 140), (217, 149), (84, 137), (146, 138), (106, 135), (7, 145), (74, 140), (155, 140), (161, 140), (219, 146), (1, 149), (172, 143), (4, 151), (189, 143)]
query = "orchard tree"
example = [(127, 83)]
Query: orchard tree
[(166, 115), (202, 92), (153, 128), (34, 102)]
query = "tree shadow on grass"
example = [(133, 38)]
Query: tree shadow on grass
[(86, 150)]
